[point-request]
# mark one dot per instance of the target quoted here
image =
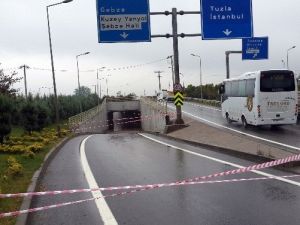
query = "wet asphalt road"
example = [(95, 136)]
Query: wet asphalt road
[(289, 134), (129, 159)]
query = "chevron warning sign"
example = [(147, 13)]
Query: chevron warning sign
[(178, 99)]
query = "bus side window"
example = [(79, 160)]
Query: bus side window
[(242, 88), (228, 89), (250, 88), (235, 89)]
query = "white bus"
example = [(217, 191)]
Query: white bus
[(261, 98)]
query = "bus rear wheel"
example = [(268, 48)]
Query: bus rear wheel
[(244, 122), (228, 119)]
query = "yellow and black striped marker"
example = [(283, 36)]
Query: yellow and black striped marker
[(178, 99)]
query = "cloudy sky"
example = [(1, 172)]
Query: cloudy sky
[(24, 40)]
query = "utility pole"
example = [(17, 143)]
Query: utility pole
[(24, 67), (227, 53), (159, 76), (107, 84)]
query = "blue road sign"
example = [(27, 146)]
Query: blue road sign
[(123, 21), (226, 19), (255, 48)]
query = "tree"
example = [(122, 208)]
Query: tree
[(5, 117), (30, 116), (7, 82), (42, 116), (84, 91)]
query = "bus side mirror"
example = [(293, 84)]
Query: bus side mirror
[(222, 89)]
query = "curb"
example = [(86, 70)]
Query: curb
[(257, 158), (26, 203)]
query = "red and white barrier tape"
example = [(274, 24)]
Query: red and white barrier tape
[(44, 193), (17, 213), (178, 183)]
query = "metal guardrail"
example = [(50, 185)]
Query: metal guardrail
[(214, 103), (85, 116)]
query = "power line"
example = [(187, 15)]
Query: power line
[(94, 70)]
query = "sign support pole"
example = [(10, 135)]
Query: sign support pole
[(227, 53), (179, 119)]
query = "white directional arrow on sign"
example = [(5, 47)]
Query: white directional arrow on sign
[(124, 35), (227, 32)]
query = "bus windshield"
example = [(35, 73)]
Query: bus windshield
[(277, 81)]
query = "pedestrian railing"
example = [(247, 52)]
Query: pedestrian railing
[(76, 121)]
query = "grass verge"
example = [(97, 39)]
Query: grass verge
[(16, 184)]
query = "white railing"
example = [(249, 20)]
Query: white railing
[(77, 120)]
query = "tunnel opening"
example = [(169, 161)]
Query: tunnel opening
[(124, 120)]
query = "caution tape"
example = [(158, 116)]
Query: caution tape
[(155, 186), (17, 213), (76, 191)]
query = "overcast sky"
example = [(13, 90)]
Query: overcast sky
[(24, 40)]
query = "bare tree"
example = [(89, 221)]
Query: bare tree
[(7, 82)]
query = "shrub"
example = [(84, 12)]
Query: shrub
[(29, 154), (34, 147), (14, 167), (11, 160)]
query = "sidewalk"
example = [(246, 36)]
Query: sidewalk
[(225, 140)]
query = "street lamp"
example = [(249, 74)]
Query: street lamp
[(52, 64), (172, 67), (287, 56), (79, 91), (200, 73)]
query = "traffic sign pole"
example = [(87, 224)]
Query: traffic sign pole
[(227, 53), (179, 119)]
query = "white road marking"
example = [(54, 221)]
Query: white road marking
[(104, 210), (222, 161), (240, 132), (202, 106)]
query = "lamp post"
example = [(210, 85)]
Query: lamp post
[(52, 65), (200, 73), (287, 56), (172, 67), (79, 91)]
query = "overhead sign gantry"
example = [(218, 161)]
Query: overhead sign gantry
[(123, 21), (226, 19)]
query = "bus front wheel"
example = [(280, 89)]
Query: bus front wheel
[(228, 119), (244, 122)]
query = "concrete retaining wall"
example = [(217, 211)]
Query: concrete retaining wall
[(153, 116), (96, 123), (123, 106)]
